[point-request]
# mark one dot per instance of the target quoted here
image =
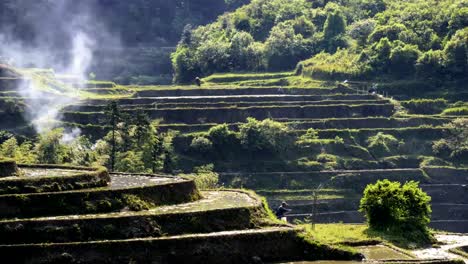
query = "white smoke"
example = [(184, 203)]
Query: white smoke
[(82, 55), (69, 136), (66, 38)]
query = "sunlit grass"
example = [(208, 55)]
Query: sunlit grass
[(358, 234), (340, 233)]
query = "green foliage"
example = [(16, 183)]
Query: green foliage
[(224, 140), (201, 145), (80, 152), (425, 106), (419, 38), (135, 203), (455, 144), (267, 135), (334, 30), (392, 207), (129, 161), (309, 136), (263, 35), (204, 177), (21, 153), (48, 149), (338, 66), (184, 65), (456, 111), (383, 144), (326, 158), (456, 53)]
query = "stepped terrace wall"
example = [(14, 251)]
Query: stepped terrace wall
[(224, 210), (11, 84), (337, 123), (232, 115), (108, 199), (276, 244), (28, 183), (240, 91), (342, 179), (178, 105), (232, 99), (8, 168)]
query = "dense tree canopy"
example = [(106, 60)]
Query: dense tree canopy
[(387, 37)]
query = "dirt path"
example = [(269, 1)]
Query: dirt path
[(450, 241)]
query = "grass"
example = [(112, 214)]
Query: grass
[(460, 251), (341, 233), (307, 194), (280, 79), (357, 234), (456, 111)]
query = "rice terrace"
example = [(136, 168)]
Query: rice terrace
[(234, 131)]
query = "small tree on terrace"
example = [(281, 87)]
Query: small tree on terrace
[(395, 208), (266, 135)]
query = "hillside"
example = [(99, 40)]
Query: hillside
[(304, 102), (281, 140), (135, 37), (370, 40)]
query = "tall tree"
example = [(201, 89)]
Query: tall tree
[(113, 115)]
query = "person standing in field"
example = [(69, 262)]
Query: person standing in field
[(281, 211)]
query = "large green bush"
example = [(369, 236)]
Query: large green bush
[(265, 136), (393, 207)]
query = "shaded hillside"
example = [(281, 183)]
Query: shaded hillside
[(378, 39), (143, 32)]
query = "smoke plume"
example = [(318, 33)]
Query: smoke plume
[(59, 35)]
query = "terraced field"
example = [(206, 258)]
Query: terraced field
[(335, 111), (145, 218)]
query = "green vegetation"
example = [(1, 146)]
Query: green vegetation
[(346, 40), (204, 177), (425, 106), (398, 209), (147, 32), (272, 35), (383, 144), (455, 145), (342, 233), (264, 136), (462, 251), (352, 234)]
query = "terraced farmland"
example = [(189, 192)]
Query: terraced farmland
[(153, 218), (344, 118)]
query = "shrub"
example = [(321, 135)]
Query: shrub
[(325, 158), (204, 177), (222, 137), (129, 161), (383, 144), (456, 143), (425, 106), (310, 136), (201, 145), (49, 149), (392, 207), (266, 135)]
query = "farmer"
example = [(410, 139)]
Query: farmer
[(281, 211), (198, 81)]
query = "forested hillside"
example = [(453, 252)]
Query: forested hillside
[(145, 32), (360, 39)]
